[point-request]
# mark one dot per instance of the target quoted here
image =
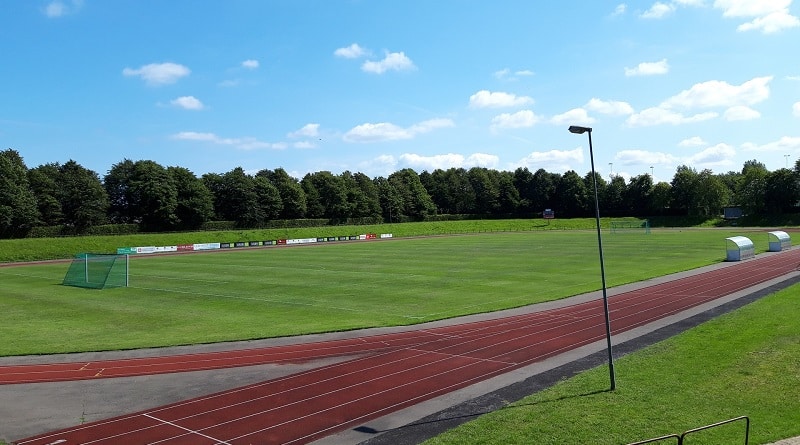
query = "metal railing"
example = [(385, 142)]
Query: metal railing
[(682, 437)]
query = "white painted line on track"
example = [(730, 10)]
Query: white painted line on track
[(187, 429)]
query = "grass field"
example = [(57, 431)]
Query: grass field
[(270, 292), (744, 363)]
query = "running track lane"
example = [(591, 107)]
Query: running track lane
[(394, 371)]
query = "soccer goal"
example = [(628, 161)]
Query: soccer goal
[(97, 271), (621, 226)]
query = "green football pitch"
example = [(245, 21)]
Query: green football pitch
[(248, 293)]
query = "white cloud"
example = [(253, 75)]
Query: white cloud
[(246, 143), (796, 109), (620, 9), (385, 131), (784, 144), (430, 125), (59, 8), (576, 116), (507, 74), (392, 62), (717, 93), (230, 83), (771, 23), (658, 10), (308, 131), (554, 160), (188, 103), (639, 157), (303, 145), (449, 160), (353, 51), (156, 74), (648, 68), (613, 108), (488, 99), (250, 64), (769, 16), (660, 116), (520, 119), (741, 113), (750, 8), (695, 141), (717, 156)]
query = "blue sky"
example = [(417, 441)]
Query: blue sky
[(376, 86)]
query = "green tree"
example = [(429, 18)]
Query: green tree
[(523, 182), (293, 197), (331, 194), (416, 202), (269, 199), (236, 198), (369, 203), (84, 201), (508, 195), (215, 185), (390, 199), (661, 197), (751, 195), (614, 203), (487, 193), (195, 201), (155, 196), (44, 182), (601, 192), (122, 202), (683, 188), (781, 191), (18, 212), (710, 195), (571, 195), (639, 195), (544, 190)]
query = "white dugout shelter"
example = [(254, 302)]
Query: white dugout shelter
[(739, 248), (778, 241)]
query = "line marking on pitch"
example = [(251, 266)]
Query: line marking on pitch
[(166, 422)]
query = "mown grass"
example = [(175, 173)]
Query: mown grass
[(743, 363), (258, 293)]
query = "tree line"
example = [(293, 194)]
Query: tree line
[(158, 198)]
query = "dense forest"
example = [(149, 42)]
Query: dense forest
[(157, 198)]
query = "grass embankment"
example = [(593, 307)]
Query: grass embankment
[(743, 363), (34, 249)]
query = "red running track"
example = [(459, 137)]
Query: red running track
[(392, 371)]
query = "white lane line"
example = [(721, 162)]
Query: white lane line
[(186, 429)]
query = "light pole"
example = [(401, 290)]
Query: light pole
[(580, 130), (787, 160), (651, 172), (610, 164)]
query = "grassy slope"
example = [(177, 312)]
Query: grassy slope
[(33, 249), (744, 363)]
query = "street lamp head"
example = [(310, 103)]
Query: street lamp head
[(579, 130)]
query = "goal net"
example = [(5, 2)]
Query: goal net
[(97, 271), (622, 226)]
